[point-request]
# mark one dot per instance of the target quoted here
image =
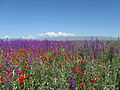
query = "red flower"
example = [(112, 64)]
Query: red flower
[(53, 53), (27, 59), (81, 73), (47, 58), (103, 60), (27, 76), (25, 66), (92, 80), (83, 62), (21, 72), (58, 51), (96, 79), (48, 64), (36, 59), (21, 78), (3, 79), (64, 60), (13, 59), (20, 82), (1, 65), (17, 59), (80, 80), (52, 59), (8, 72), (10, 75), (74, 68), (83, 85)]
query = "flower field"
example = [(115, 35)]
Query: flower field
[(59, 65)]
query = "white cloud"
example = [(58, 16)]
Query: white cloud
[(28, 37), (7, 36), (50, 34), (53, 34)]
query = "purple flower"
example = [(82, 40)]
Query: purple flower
[(7, 68), (17, 71), (7, 62), (73, 86), (31, 59), (111, 49), (8, 79), (39, 62)]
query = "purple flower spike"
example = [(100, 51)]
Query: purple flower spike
[(7, 62), (73, 86), (7, 68), (17, 71), (39, 62), (8, 79)]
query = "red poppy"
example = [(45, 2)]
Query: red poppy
[(21, 72), (96, 79), (36, 59), (21, 78), (27, 76), (1, 65), (48, 64), (47, 58), (52, 59), (92, 80), (17, 59), (27, 59), (25, 66), (83, 85), (3, 79), (64, 60), (10, 75), (80, 80), (58, 51), (103, 60), (13, 59), (0, 73), (8, 72), (74, 68), (21, 82), (81, 73), (53, 54)]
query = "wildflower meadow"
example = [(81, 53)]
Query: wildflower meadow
[(59, 65)]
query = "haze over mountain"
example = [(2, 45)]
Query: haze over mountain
[(61, 36)]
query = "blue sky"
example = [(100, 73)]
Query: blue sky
[(79, 17)]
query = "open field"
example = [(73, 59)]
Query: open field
[(59, 65)]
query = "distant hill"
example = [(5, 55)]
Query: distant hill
[(68, 38), (78, 38)]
